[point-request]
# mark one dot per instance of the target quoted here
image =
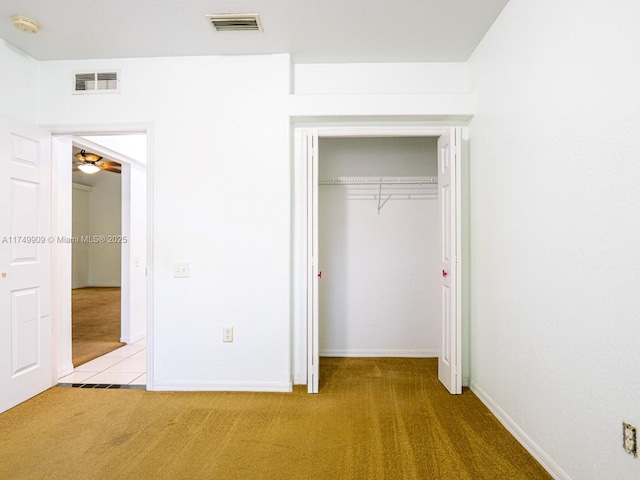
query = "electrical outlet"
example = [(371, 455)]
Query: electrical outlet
[(630, 439), (227, 334)]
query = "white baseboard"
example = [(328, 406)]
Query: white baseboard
[(221, 386), (65, 370), (379, 353), (548, 464), (134, 338)]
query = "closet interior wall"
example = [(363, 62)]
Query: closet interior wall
[(379, 291)]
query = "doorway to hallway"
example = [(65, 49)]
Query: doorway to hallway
[(96, 256), (126, 235)]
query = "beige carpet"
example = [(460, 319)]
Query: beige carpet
[(95, 322), (374, 419)]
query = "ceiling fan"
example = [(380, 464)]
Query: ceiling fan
[(91, 163)]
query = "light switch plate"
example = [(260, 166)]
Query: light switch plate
[(180, 270), (227, 334)]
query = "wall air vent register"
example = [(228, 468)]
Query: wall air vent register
[(96, 82), (236, 22)]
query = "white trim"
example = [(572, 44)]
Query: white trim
[(150, 256), (381, 131), (133, 338), (456, 134), (61, 223), (63, 371), (549, 465), (310, 156), (224, 386), (299, 263), (400, 353), (90, 129)]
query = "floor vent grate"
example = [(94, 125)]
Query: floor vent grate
[(102, 385)]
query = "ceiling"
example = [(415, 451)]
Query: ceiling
[(320, 31)]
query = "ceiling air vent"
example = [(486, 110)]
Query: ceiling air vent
[(236, 22), (96, 82)]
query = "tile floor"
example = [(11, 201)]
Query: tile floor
[(125, 366)]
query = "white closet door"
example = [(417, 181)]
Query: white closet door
[(449, 359)]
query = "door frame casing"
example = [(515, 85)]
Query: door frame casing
[(304, 271), (61, 259)]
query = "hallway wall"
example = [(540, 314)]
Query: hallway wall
[(97, 212)]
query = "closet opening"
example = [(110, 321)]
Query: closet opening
[(378, 247), (378, 229)]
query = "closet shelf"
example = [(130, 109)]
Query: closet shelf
[(380, 181), (398, 187)]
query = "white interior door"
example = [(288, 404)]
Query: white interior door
[(449, 359), (310, 153), (26, 364)]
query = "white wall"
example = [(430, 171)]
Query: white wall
[(105, 220), (379, 78), (97, 212), (18, 83), (134, 252), (379, 294), (221, 186), (432, 93), (80, 211), (555, 229)]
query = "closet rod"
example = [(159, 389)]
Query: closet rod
[(380, 181)]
